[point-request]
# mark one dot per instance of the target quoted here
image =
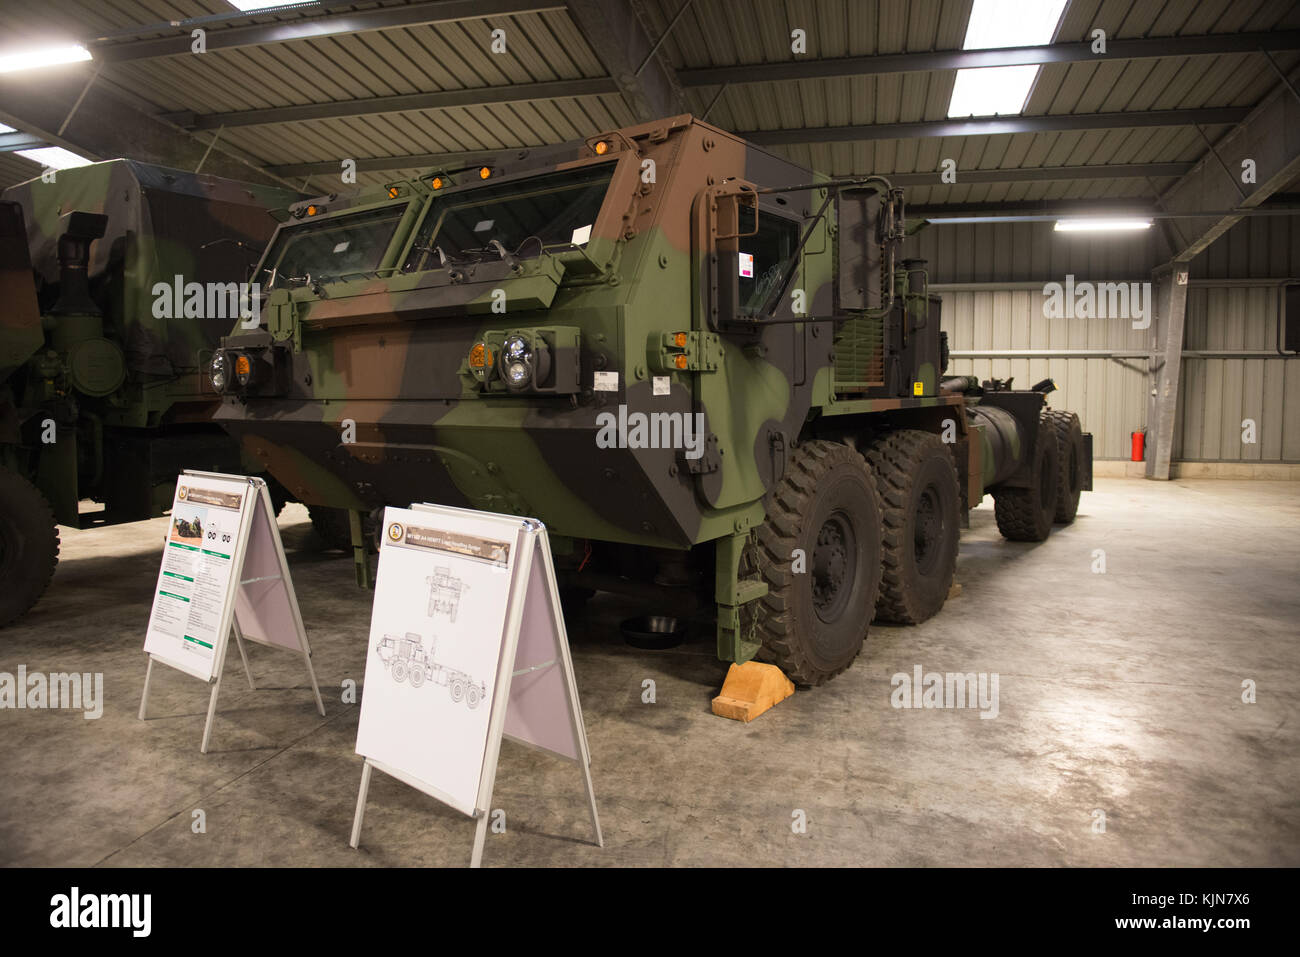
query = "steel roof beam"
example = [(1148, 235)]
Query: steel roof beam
[(991, 126), (1269, 137), (107, 125), (477, 96), (1043, 174), (616, 35), (326, 25), (928, 61)]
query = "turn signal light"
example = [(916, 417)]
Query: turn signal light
[(602, 147), (480, 357), (242, 365), (393, 192), (313, 210), (680, 340), (681, 362), (437, 182), (484, 172)]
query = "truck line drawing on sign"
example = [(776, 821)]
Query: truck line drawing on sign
[(445, 592), (406, 658)]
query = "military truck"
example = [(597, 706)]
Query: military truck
[(100, 397), (708, 370)]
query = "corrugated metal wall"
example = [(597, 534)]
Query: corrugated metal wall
[(1217, 393), (1110, 394)]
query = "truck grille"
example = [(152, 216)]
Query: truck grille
[(859, 355)]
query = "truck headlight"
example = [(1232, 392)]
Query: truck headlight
[(517, 362), (219, 371)]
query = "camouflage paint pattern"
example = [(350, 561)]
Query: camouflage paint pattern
[(116, 382), (390, 354), (653, 293)]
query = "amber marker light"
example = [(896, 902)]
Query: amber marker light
[(313, 210), (243, 366), (437, 182), (393, 192), (480, 357), (602, 148), (681, 362), (484, 172), (680, 340)]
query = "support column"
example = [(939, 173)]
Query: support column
[(1170, 293)]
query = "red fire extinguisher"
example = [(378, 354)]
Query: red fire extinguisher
[(1139, 445)]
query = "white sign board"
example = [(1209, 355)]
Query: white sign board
[(466, 646), (223, 569), (190, 614)]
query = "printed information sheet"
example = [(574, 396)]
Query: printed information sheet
[(198, 569)]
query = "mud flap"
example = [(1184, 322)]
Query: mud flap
[(736, 641)]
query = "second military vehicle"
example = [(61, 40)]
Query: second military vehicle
[(705, 368), (102, 394)]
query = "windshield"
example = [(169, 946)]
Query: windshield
[(333, 248), (523, 216)]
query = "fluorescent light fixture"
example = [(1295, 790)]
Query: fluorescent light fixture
[(1002, 90), (44, 56), (55, 157), (1100, 225)]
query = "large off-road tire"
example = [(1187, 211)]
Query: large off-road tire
[(813, 621), (29, 545), (1026, 514), (334, 530), (1072, 464), (921, 518)]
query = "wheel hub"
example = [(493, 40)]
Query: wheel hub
[(833, 567), (927, 530)]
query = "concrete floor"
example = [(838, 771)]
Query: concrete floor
[(1118, 691)]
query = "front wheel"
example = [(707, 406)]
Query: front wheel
[(29, 545), (819, 552)]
